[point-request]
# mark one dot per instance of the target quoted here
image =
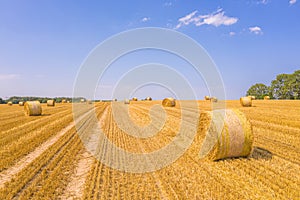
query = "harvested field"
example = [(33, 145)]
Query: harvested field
[(43, 157)]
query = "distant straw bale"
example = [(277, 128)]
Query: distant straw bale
[(169, 102), (252, 97), (89, 101), (32, 108), (246, 101), (51, 102), (213, 99), (126, 101)]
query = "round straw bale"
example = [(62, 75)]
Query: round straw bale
[(148, 99), (115, 99), (51, 102), (89, 101), (246, 101), (169, 102), (266, 98), (32, 108), (207, 98), (68, 101), (21, 103), (82, 100), (9, 103), (134, 99), (213, 99), (252, 97), (126, 101), (234, 138), (63, 101)]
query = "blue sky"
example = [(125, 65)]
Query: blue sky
[(43, 43)]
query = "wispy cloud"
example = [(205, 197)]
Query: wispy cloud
[(256, 30), (168, 4), (232, 33), (292, 2), (145, 19), (216, 19), (262, 1), (9, 76), (258, 2), (186, 20)]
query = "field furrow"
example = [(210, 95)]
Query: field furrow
[(52, 157)]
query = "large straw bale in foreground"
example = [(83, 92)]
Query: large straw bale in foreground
[(21, 103), (246, 101), (266, 98), (51, 102), (234, 140), (169, 102), (32, 108)]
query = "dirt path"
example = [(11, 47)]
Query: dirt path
[(75, 187), (7, 175)]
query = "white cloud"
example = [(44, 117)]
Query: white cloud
[(216, 19), (145, 19), (263, 2), (186, 20), (168, 4), (292, 1), (256, 30), (232, 33), (258, 2), (9, 76)]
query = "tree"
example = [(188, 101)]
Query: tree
[(286, 86), (295, 84), (258, 90)]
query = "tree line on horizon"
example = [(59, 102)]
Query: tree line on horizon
[(17, 99), (285, 86)]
